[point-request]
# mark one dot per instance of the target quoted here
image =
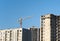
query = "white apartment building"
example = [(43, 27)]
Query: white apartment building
[(18, 34)]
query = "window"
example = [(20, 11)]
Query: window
[(20, 30), (8, 31)]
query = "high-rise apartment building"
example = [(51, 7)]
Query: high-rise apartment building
[(19, 34), (50, 28), (34, 33)]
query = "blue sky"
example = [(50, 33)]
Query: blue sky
[(11, 10)]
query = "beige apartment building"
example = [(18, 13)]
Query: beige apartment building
[(50, 28), (18, 34)]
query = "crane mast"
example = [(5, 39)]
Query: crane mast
[(21, 22)]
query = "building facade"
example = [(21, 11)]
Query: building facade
[(50, 28), (34, 34), (19, 34)]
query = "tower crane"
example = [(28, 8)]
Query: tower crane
[(21, 20)]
